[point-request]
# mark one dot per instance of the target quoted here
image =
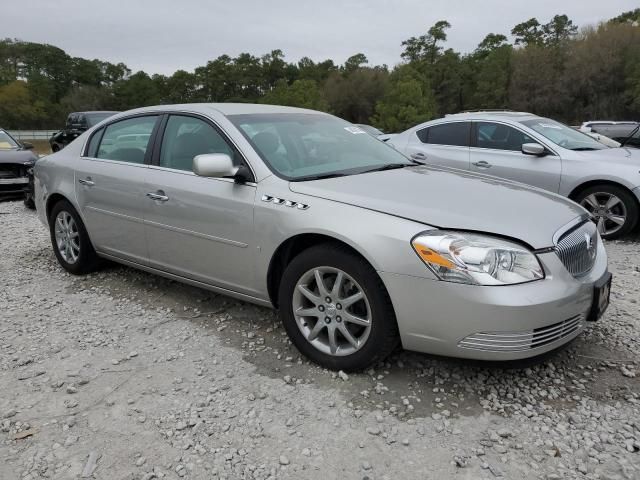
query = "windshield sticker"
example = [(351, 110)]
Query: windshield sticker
[(354, 130), (548, 125)]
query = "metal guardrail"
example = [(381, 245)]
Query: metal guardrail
[(31, 134)]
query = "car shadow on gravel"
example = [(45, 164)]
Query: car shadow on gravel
[(407, 385)]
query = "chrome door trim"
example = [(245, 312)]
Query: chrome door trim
[(196, 234), (207, 286), (185, 172)]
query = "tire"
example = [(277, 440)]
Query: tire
[(55, 148), (597, 198), (375, 340), (81, 259)]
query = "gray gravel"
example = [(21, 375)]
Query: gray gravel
[(123, 375)]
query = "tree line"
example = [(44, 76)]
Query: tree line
[(551, 69)]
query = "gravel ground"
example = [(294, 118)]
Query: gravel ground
[(124, 375)]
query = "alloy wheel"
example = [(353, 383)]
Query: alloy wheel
[(608, 211), (67, 237), (332, 311)]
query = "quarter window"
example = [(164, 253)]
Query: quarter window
[(186, 137), (127, 140), (92, 149), (500, 137), (454, 134)]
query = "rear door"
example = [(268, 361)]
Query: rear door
[(496, 149), (110, 186), (197, 227), (442, 144)]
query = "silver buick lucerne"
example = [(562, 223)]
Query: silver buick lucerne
[(358, 247)]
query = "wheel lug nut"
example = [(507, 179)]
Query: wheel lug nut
[(338, 306), (321, 308), (338, 319), (328, 299), (327, 320)]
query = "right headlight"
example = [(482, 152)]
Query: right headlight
[(476, 259)]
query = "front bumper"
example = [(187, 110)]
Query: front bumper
[(497, 322), (13, 186)]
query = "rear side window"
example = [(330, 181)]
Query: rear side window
[(127, 140), (454, 134)]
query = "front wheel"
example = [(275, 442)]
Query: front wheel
[(336, 309), (614, 209), (70, 240)]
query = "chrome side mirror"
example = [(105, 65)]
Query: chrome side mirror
[(533, 149), (217, 165)]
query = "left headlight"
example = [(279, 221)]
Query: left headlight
[(476, 259)]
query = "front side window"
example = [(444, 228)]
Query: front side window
[(187, 137), (7, 142), (127, 140), (562, 135), (500, 137), (453, 134), (308, 146)]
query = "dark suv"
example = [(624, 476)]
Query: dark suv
[(77, 122)]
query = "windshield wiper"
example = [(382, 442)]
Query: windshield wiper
[(630, 136), (321, 176), (390, 166), (584, 149)]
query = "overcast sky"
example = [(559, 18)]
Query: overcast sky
[(161, 36)]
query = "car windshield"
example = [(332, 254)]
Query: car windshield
[(6, 142), (307, 146), (96, 118), (562, 135)]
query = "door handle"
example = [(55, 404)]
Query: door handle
[(86, 181), (418, 156), (482, 164), (159, 195)]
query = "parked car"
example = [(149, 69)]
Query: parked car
[(589, 126), (77, 122), (536, 151), (16, 158), (358, 247), (627, 135), (604, 140)]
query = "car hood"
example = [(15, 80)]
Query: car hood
[(623, 155), (17, 156), (455, 199)]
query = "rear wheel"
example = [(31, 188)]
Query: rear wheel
[(70, 240), (614, 209), (336, 310)]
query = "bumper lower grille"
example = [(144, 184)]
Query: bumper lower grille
[(577, 249), (522, 341)]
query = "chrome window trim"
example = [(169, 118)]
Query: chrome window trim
[(185, 172)]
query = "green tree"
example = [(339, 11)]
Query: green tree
[(426, 47), (354, 96), (408, 101), (18, 109), (301, 93)]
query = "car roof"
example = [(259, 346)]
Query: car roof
[(225, 108), (492, 115)]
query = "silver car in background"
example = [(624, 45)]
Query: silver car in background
[(359, 248), (536, 151)]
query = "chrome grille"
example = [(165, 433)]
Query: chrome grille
[(577, 249), (522, 341)]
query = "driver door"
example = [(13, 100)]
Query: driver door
[(496, 149), (199, 227)]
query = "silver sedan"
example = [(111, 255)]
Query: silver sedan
[(537, 151), (359, 248)]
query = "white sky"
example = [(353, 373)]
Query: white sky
[(161, 36)]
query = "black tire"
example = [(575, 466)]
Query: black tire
[(627, 199), (383, 336), (55, 148), (87, 261)]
